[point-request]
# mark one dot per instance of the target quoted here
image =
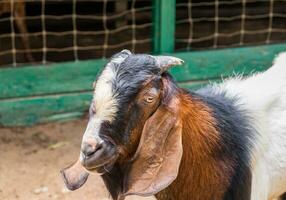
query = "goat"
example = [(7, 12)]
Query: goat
[(146, 136), (19, 12)]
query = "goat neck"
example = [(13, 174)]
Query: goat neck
[(200, 175)]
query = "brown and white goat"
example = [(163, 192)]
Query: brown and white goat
[(17, 9), (147, 136)]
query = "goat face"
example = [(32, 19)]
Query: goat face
[(126, 93), (125, 115)]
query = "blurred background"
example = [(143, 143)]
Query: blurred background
[(52, 50)]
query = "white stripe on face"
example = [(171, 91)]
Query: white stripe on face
[(91, 133), (92, 130), (105, 102)]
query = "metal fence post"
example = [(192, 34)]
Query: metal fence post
[(164, 19)]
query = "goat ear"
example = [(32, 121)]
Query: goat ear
[(165, 62), (156, 162), (74, 176)]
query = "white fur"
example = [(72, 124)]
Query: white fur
[(92, 132), (104, 97), (104, 101), (264, 96)]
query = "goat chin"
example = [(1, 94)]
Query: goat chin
[(253, 112)]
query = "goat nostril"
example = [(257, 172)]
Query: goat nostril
[(89, 149), (98, 146)]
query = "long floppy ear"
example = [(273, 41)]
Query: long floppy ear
[(74, 176), (157, 160)]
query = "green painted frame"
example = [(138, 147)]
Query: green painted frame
[(63, 91), (164, 20)]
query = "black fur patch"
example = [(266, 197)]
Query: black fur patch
[(113, 181), (129, 79), (283, 197), (237, 138)]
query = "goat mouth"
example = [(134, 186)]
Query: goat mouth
[(97, 170), (105, 167)]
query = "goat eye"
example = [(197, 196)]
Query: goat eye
[(149, 99)]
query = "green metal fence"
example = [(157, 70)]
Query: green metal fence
[(63, 91)]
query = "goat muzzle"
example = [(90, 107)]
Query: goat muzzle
[(98, 156)]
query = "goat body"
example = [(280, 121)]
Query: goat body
[(234, 139), (223, 142)]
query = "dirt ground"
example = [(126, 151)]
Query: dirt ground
[(31, 158)]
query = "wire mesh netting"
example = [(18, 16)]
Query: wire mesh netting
[(47, 31), (204, 24)]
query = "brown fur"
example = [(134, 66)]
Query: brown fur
[(201, 176), (130, 148)]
